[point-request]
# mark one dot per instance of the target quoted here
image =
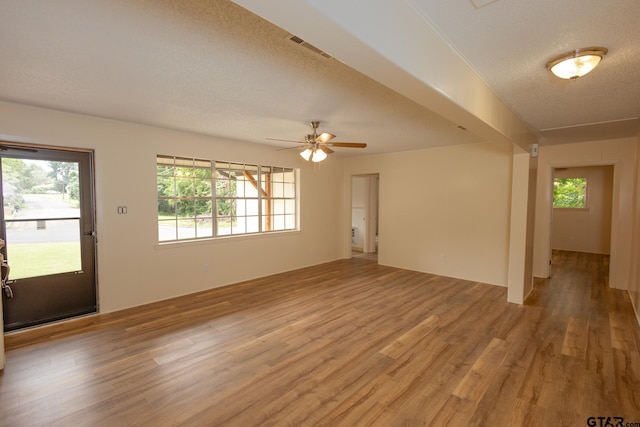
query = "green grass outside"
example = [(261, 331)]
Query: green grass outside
[(41, 259)]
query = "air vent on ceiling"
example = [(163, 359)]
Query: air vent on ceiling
[(297, 40)]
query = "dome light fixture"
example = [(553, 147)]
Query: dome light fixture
[(576, 63)]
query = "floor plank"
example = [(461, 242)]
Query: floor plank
[(575, 338), (340, 344)]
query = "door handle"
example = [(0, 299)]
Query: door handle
[(4, 278), (90, 233)]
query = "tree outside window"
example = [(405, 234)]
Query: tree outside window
[(570, 193)]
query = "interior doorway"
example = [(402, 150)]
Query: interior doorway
[(582, 210), (364, 215)]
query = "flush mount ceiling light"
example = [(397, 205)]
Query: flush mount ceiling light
[(576, 63)]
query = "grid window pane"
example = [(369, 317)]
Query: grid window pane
[(252, 207), (247, 198), (226, 207), (290, 206), (289, 190), (289, 222), (166, 209), (167, 230), (223, 226), (238, 226), (204, 227), (253, 224)]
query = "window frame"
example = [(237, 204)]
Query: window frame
[(248, 206)]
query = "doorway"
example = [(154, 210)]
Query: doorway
[(364, 216), (582, 210), (48, 226)]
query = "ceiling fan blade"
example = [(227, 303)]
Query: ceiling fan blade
[(326, 149), (325, 137), (289, 148), (287, 140), (348, 144)]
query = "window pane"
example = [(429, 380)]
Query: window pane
[(226, 207), (54, 243), (166, 208), (164, 170), (278, 206), (202, 187), (223, 226), (225, 188), (166, 186), (186, 172), (204, 227), (185, 187), (252, 207), (569, 193), (253, 224), (238, 226), (277, 189), (289, 222), (290, 206), (186, 208), (250, 190), (240, 207), (289, 190), (167, 230), (278, 222), (202, 172), (186, 229), (203, 208)]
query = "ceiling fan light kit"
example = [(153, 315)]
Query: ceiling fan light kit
[(313, 154), (576, 63)]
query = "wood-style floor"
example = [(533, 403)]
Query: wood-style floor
[(347, 343)]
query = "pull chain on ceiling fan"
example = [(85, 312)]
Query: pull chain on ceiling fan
[(318, 146)]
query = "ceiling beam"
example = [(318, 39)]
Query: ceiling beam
[(392, 43)]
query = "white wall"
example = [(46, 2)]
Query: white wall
[(589, 229), (621, 153), (634, 281), (132, 268), (444, 211)]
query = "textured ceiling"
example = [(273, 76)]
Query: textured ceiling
[(203, 66), (508, 42), (211, 67)]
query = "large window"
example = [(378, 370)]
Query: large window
[(570, 193), (203, 198)]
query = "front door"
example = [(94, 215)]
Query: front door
[(47, 225)]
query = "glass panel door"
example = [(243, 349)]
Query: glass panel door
[(47, 226)]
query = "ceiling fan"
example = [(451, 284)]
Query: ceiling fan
[(318, 146)]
